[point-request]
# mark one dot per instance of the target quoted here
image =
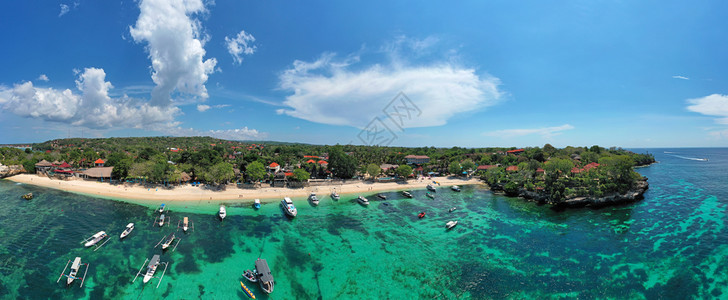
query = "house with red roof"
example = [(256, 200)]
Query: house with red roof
[(512, 168), (274, 167), (99, 163), (515, 151), (417, 159), (486, 167)]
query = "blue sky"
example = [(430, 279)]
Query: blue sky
[(473, 74)]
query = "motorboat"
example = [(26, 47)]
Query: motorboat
[(256, 204), (127, 231), (265, 279), (73, 273), (362, 200), (151, 268), (250, 276), (168, 242), (161, 220), (430, 195), (335, 195), (421, 215), (161, 208), (288, 207), (314, 200), (431, 188), (382, 196), (452, 209), (222, 213), (95, 239), (455, 188), (74, 270), (407, 194), (451, 224), (185, 224)]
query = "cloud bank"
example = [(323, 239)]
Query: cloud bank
[(240, 45), (714, 105)]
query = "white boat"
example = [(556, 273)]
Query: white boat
[(95, 238), (314, 200), (185, 224), (256, 204), (161, 208), (161, 220), (151, 268), (335, 195), (451, 224), (74, 270), (169, 241), (127, 231), (265, 278), (362, 200), (73, 273), (452, 209), (288, 207), (431, 188), (455, 188), (407, 194), (222, 213)]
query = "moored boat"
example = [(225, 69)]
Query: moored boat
[(161, 208), (421, 215), (451, 224), (250, 276), (127, 230), (27, 196), (185, 224), (430, 195), (151, 268), (265, 278), (168, 242), (382, 196), (407, 194), (314, 200), (452, 209), (431, 188), (222, 213), (95, 238), (455, 188), (256, 204), (288, 207), (335, 195), (74, 270), (362, 200), (161, 220)]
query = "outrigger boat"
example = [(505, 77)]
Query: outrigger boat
[(455, 188), (431, 188), (94, 239), (256, 204), (160, 220), (151, 269), (185, 224), (335, 195), (247, 291), (407, 194), (362, 200), (127, 231), (265, 279), (27, 196), (288, 207), (73, 272), (314, 200), (451, 224), (168, 241), (161, 208), (222, 213), (430, 195)]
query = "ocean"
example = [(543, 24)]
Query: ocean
[(673, 244)]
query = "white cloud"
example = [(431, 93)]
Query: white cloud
[(91, 107), (229, 134), (202, 107), (64, 10), (544, 131), (43, 77), (241, 44), (713, 105), (338, 92), (175, 43), (680, 77)]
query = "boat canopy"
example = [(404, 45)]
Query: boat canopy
[(263, 270)]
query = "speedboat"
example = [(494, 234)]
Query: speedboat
[(288, 207), (222, 213), (127, 231), (451, 224), (431, 188), (455, 188), (151, 268), (95, 238), (335, 196), (161, 208), (265, 279), (421, 215), (314, 200), (362, 200), (250, 276), (452, 209), (161, 220), (256, 204), (430, 195), (407, 194), (169, 241), (382, 196), (74, 270)]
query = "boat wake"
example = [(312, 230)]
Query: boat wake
[(690, 158)]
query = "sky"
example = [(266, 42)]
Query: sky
[(399, 73)]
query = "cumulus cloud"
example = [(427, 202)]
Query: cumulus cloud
[(175, 43), (544, 131), (341, 92), (229, 134), (715, 105), (239, 45), (202, 107), (43, 77), (91, 106), (64, 10), (680, 77)]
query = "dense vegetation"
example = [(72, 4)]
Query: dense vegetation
[(211, 160)]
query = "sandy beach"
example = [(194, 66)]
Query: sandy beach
[(191, 193)]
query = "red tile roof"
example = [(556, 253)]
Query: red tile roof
[(486, 167), (515, 151), (273, 165), (539, 170), (311, 161), (512, 168), (576, 170), (322, 162), (99, 161)]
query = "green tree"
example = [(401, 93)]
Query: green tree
[(301, 175), (404, 171), (221, 172), (454, 168), (468, 165), (373, 170), (121, 168), (341, 165), (255, 171)]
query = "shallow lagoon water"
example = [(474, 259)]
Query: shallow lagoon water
[(672, 244)]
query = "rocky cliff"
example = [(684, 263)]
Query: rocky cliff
[(6, 171)]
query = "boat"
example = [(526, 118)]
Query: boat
[(431, 188), (288, 207), (161, 208), (335, 196), (430, 195), (382, 196), (362, 200), (256, 204), (455, 188), (250, 276), (265, 279), (74, 270), (451, 224), (407, 194), (95, 239), (168, 242), (421, 215), (27, 196), (452, 209), (314, 200), (161, 220), (185, 224), (222, 213), (151, 268), (247, 291), (127, 231)]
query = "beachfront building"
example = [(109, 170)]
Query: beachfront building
[(43, 166), (99, 163), (98, 173), (274, 167), (417, 159)]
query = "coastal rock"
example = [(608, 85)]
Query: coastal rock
[(11, 170), (635, 194)]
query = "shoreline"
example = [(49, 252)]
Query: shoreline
[(189, 193)]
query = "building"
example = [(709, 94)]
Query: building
[(99, 163), (512, 168), (515, 151), (274, 167), (98, 173), (43, 166), (417, 159), (486, 167)]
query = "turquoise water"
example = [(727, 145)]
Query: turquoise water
[(673, 244)]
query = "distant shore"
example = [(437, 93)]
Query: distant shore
[(187, 192)]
